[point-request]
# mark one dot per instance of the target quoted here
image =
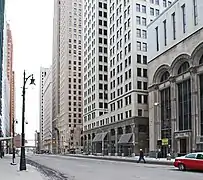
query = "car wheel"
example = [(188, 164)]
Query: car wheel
[(181, 167)]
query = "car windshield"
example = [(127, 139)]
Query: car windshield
[(191, 155)]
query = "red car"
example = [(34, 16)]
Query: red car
[(192, 161)]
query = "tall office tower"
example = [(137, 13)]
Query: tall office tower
[(55, 72), (43, 73), (67, 74), (124, 130), (95, 79), (47, 111), (10, 74)]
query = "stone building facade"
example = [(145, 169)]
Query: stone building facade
[(176, 79)]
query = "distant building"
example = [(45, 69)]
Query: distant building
[(47, 111), (10, 75), (43, 73), (67, 75), (175, 78)]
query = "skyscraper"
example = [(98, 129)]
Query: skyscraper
[(124, 130), (10, 75), (67, 75), (43, 73)]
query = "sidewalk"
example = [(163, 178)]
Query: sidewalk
[(9, 172), (162, 161)]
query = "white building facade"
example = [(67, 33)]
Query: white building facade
[(176, 81), (47, 111), (127, 117), (67, 75), (43, 73)]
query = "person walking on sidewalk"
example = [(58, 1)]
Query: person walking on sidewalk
[(141, 156)]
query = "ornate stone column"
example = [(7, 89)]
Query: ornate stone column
[(194, 106), (174, 119)]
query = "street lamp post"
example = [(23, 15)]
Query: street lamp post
[(13, 145), (22, 155)]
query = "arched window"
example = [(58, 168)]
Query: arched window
[(165, 76), (201, 60), (183, 68)]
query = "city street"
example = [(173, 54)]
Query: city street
[(91, 169)]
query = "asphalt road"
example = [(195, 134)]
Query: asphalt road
[(91, 169)]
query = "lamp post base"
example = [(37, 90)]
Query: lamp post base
[(13, 164), (22, 159)]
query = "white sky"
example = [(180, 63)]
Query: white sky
[(31, 24)]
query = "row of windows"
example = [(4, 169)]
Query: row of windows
[(173, 17)]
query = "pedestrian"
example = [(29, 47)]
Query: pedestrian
[(141, 156)]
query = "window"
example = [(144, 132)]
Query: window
[(183, 68), (165, 35), (139, 85), (143, 9), (195, 11), (145, 99), (201, 102), (174, 26), (145, 85), (144, 34), (138, 45), (138, 7), (139, 112), (157, 12), (139, 72), (144, 59), (138, 20), (138, 32), (191, 156), (138, 58), (200, 156), (144, 72), (184, 17), (100, 4), (152, 11), (165, 76), (157, 2), (184, 105), (157, 38), (144, 21), (144, 45), (164, 3), (139, 98)]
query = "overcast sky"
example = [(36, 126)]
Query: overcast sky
[(31, 24)]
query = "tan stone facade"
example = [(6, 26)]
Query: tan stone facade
[(175, 97)]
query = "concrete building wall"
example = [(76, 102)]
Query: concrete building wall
[(47, 110), (171, 67), (43, 73), (127, 71), (67, 74)]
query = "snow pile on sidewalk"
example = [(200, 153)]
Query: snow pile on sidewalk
[(10, 172)]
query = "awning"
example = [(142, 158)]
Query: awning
[(125, 138), (5, 138), (99, 137)]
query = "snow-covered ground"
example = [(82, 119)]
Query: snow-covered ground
[(10, 172)]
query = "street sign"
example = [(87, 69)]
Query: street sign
[(164, 142)]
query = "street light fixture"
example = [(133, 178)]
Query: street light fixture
[(13, 145), (22, 155)]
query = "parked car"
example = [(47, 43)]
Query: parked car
[(192, 161)]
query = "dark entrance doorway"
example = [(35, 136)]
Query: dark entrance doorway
[(183, 146)]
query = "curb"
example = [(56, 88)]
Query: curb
[(169, 163)]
